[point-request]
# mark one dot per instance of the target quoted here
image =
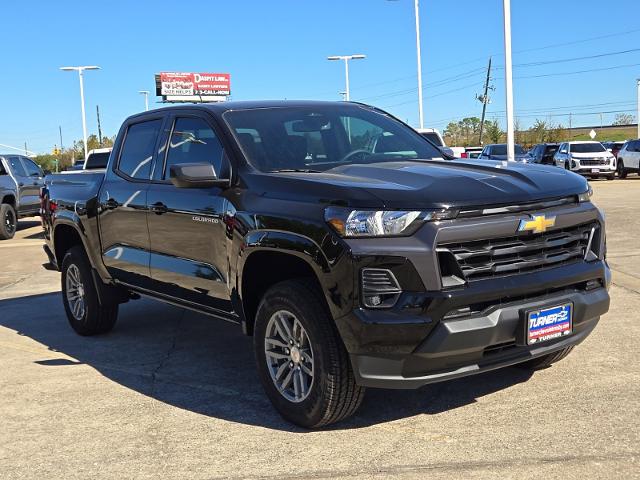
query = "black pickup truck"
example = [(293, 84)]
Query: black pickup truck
[(340, 239)]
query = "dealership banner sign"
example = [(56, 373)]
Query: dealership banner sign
[(187, 84)]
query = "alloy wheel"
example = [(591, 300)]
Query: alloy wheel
[(75, 292), (10, 221), (289, 356)]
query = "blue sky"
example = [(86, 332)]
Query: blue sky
[(278, 48)]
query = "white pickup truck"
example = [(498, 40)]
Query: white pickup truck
[(433, 135), (20, 182)]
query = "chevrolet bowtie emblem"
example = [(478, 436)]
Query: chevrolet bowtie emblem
[(538, 224)]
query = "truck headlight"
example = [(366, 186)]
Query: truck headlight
[(586, 196), (381, 223)]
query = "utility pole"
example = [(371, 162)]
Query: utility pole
[(570, 115), (60, 130), (485, 99), (99, 127), (601, 121), (26, 151)]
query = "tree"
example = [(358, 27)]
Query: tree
[(494, 132), (452, 130), (539, 131), (624, 119), (556, 134)]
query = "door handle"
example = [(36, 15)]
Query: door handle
[(111, 204), (20, 184), (159, 208)]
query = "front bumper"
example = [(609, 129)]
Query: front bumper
[(434, 333), (459, 347)]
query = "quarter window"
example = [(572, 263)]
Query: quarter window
[(193, 141), (138, 147)]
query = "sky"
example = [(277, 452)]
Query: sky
[(277, 49)]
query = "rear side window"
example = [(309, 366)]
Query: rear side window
[(32, 169), (97, 160), (16, 166), (433, 137), (138, 148), (193, 141)]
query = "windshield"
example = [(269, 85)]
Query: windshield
[(97, 160), (321, 137), (587, 148), (502, 150), (434, 137)]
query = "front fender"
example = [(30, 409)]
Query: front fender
[(332, 268)]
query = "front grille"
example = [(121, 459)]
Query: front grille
[(592, 162), (518, 254)]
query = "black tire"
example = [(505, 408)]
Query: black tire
[(546, 360), (94, 318), (8, 221), (611, 177), (622, 172), (333, 394), (567, 166)]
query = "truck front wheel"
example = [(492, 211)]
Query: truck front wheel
[(81, 303), (8, 221), (302, 362)]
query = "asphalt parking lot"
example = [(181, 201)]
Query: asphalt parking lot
[(173, 394)]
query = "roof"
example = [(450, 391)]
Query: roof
[(221, 107), (582, 141)]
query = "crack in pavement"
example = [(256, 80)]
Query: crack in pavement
[(165, 359), (441, 466)]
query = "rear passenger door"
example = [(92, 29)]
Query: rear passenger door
[(124, 233), (189, 259), (33, 183), (26, 202)]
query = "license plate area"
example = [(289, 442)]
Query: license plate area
[(548, 323), (595, 170)]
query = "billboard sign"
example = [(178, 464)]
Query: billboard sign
[(209, 86)]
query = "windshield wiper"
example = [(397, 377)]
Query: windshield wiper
[(296, 170)]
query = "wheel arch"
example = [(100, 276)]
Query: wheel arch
[(269, 257)]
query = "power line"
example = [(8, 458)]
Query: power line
[(578, 71)]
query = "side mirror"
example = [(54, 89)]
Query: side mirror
[(195, 175)]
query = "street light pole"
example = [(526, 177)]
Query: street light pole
[(80, 71), (419, 58), (346, 59), (416, 7), (638, 112), (508, 77), (146, 99)]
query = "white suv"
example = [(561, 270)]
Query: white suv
[(586, 158), (629, 158)]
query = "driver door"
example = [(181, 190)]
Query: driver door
[(189, 258)]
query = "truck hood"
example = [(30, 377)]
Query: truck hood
[(426, 184)]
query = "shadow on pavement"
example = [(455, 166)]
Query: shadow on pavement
[(25, 224), (207, 366)]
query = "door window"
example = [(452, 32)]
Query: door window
[(138, 147), (16, 167), (32, 169), (193, 141)]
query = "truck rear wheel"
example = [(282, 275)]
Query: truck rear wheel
[(81, 303), (546, 360), (302, 362), (8, 221)]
